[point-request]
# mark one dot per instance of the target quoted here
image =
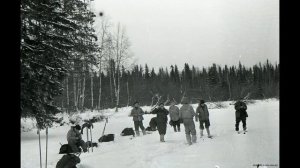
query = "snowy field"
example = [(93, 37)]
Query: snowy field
[(226, 150)]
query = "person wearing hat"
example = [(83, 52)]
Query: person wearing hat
[(137, 114), (174, 116), (203, 116), (161, 120), (240, 114), (187, 113), (75, 140)]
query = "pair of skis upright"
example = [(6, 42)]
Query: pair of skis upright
[(40, 149), (87, 138)]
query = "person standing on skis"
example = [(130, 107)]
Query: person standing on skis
[(187, 113), (161, 120), (202, 115), (137, 114), (174, 116), (240, 114)]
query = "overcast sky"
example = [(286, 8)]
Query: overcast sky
[(198, 32)]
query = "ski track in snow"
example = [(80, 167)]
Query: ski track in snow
[(227, 149)]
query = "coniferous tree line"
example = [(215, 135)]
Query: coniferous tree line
[(145, 85), (56, 38)]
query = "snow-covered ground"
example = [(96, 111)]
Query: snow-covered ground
[(226, 150)]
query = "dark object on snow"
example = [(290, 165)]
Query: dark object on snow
[(65, 148), (91, 144), (68, 161), (171, 122), (107, 138), (127, 132), (150, 129), (87, 124)]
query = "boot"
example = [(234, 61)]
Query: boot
[(179, 129), (194, 138), (137, 133), (188, 139), (144, 132), (201, 133), (208, 133), (162, 138)]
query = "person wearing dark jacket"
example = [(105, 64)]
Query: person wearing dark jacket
[(240, 114), (174, 116), (161, 120), (202, 115), (68, 161), (137, 114), (74, 139)]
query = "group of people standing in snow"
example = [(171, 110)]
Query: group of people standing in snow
[(185, 114)]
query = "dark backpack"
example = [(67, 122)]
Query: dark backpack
[(68, 161), (127, 132), (107, 138)]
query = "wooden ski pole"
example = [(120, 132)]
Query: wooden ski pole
[(91, 139), (106, 120), (87, 138), (38, 132), (46, 146)]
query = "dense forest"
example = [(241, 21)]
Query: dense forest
[(145, 85), (70, 64)]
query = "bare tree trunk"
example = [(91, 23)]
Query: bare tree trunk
[(229, 88), (78, 93), (75, 92), (110, 83), (83, 91), (115, 87), (128, 96), (100, 87), (92, 92), (68, 99), (118, 93)]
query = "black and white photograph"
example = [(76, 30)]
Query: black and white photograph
[(149, 84)]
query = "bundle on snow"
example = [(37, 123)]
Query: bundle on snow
[(107, 138), (127, 132), (68, 160)]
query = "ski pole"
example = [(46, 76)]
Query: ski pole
[(91, 139), (40, 148), (106, 120), (46, 146), (87, 137)]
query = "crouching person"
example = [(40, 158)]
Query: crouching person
[(161, 120), (203, 116), (187, 113), (74, 139), (137, 114), (68, 161)]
